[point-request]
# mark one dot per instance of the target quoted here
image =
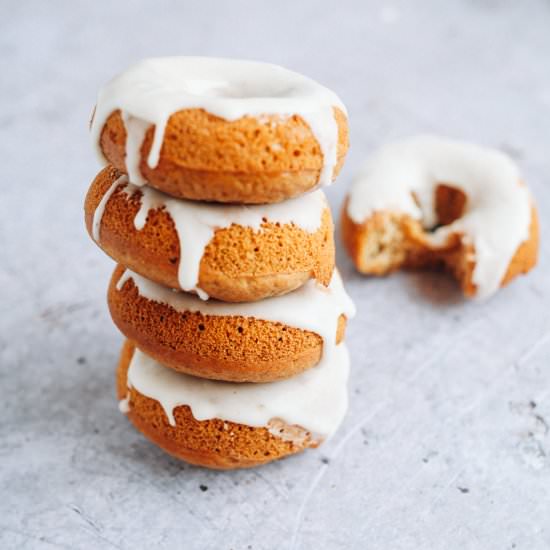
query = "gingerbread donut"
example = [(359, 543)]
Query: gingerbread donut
[(221, 130), (223, 425), (249, 342), (434, 202), (229, 252)]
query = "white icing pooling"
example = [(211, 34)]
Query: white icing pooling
[(316, 399), (151, 91), (196, 222), (498, 209), (98, 214)]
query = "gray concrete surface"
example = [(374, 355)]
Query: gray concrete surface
[(446, 443)]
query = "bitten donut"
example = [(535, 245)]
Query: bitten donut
[(249, 342), (434, 202), (223, 425), (221, 130), (229, 252)]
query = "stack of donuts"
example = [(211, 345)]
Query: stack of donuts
[(225, 287)]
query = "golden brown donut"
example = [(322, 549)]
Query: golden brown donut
[(389, 241), (220, 347), (433, 202), (239, 264), (204, 157), (212, 443)]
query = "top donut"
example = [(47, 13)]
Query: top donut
[(220, 129)]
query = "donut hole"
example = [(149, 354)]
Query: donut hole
[(223, 84), (450, 204)]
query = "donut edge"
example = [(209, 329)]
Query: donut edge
[(214, 180), (127, 246), (174, 439), (455, 258), (176, 354)]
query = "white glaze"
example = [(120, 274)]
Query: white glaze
[(124, 405), (98, 214), (312, 307), (135, 134), (316, 399), (498, 209), (196, 222), (151, 91)]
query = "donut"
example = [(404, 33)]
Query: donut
[(223, 425), (220, 129), (230, 252), (432, 202), (249, 342)]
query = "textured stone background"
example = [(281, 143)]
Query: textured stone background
[(446, 443)]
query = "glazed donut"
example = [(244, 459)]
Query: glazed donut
[(249, 342), (434, 202), (232, 253), (221, 130), (223, 425)]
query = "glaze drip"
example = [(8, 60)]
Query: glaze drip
[(98, 214)]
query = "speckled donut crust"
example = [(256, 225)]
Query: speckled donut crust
[(204, 157), (231, 348), (238, 265), (389, 241), (212, 443)]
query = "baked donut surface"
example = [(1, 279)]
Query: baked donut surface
[(213, 442), (430, 202), (221, 130), (232, 253), (250, 342)]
